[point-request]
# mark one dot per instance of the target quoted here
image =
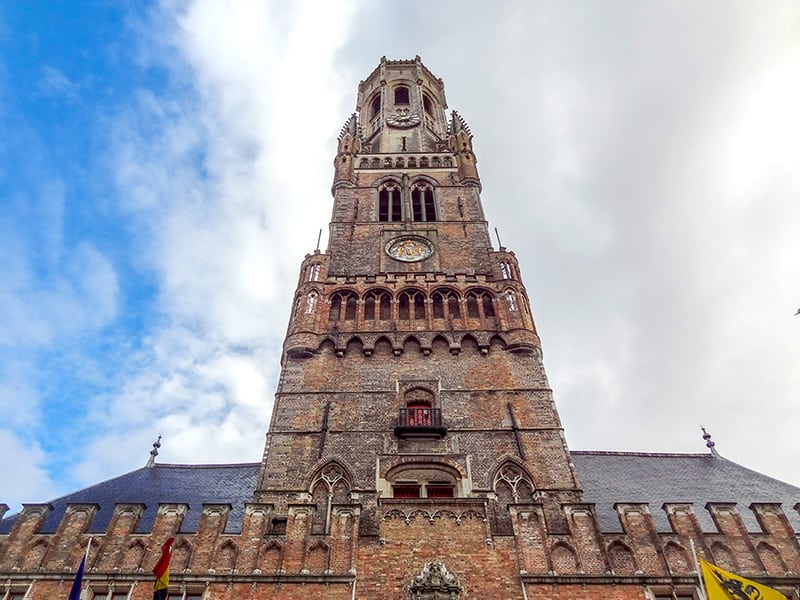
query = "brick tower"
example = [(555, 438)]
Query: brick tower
[(414, 451), (412, 392)]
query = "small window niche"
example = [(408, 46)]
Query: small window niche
[(375, 105), (427, 104), (401, 95)]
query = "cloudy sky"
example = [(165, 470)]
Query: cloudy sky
[(164, 167)]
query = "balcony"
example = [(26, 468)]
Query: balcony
[(420, 423)]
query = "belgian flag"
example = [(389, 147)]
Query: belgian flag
[(723, 585), (161, 571)]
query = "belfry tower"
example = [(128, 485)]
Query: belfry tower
[(414, 452), (412, 389)]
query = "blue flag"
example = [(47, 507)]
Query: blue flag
[(75, 592)]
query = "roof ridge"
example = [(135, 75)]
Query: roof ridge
[(651, 454), (206, 465)]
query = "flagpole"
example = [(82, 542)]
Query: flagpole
[(699, 572)]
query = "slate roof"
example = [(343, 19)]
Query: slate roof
[(188, 484), (606, 478), (609, 477)]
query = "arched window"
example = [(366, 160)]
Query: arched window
[(311, 302), (427, 104), (422, 203), (375, 104), (330, 486), (369, 308), (402, 308), (453, 306), (401, 95), (424, 481), (336, 308), (386, 307), (343, 306), (419, 306), (472, 306), (411, 303), (488, 305), (313, 272), (390, 205), (445, 303), (350, 308), (505, 270), (511, 298)]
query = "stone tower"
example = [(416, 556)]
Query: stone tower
[(412, 382)]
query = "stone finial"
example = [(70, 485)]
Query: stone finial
[(709, 443), (151, 462)]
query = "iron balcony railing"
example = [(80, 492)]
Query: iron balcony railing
[(420, 422)]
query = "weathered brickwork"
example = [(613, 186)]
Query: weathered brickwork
[(414, 443)]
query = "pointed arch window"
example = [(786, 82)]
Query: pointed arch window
[(311, 302), (390, 204), (343, 307), (330, 486), (313, 272), (386, 307), (445, 304), (402, 308), (411, 305), (419, 306), (336, 308), (488, 305), (472, 306), (422, 202), (438, 306), (350, 308), (369, 308), (453, 306), (511, 298), (505, 270)]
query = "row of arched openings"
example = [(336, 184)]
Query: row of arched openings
[(412, 305)]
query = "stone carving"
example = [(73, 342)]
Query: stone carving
[(435, 583)]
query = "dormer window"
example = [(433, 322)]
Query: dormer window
[(401, 95)]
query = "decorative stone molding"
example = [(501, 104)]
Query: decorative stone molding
[(257, 510), (397, 513), (172, 510), (435, 582), (129, 509), (216, 510)]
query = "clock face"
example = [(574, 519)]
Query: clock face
[(409, 248), (402, 120)]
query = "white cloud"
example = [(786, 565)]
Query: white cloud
[(218, 176), (24, 475)]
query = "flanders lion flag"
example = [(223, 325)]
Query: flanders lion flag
[(722, 585), (161, 571)]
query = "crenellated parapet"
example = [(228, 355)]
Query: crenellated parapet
[(288, 546)]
